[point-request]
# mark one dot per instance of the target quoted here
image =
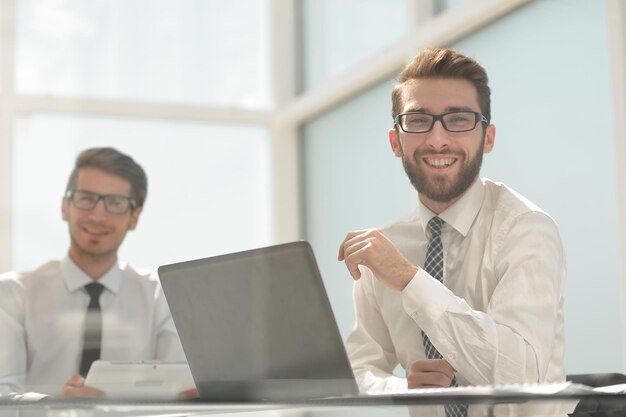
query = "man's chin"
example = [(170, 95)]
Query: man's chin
[(438, 197), (437, 190), (95, 251), (445, 193)]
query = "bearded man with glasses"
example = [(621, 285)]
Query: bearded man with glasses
[(45, 315), (467, 289)]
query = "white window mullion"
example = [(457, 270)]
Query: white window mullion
[(617, 46), (284, 149), (7, 111)]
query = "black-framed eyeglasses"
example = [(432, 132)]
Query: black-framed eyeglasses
[(454, 121), (113, 203)]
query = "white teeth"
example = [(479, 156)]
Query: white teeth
[(440, 163), (93, 231)]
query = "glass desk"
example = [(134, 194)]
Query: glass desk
[(529, 405)]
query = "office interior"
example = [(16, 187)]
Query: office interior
[(265, 121)]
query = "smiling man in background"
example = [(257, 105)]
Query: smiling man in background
[(56, 320)]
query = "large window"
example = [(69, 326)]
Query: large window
[(93, 73), (193, 51), (336, 35), (207, 186)]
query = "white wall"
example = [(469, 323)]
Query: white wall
[(551, 82)]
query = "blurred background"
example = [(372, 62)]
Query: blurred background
[(265, 121)]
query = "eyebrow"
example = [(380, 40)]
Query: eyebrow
[(446, 110), (100, 194)]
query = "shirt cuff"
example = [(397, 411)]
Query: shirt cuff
[(387, 385), (425, 299), (27, 396)]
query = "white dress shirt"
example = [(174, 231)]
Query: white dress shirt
[(498, 316), (41, 323)]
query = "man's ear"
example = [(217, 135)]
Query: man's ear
[(65, 209), (134, 218), (490, 138), (394, 141)]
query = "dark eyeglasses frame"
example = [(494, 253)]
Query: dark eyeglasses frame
[(106, 198), (479, 118)]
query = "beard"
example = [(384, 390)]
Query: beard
[(438, 187), (87, 247)]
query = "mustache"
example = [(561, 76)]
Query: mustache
[(421, 153), (100, 224)]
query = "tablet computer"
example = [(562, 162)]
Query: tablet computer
[(153, 380)]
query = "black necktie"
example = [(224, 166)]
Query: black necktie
[(92, 333), (433, 264)]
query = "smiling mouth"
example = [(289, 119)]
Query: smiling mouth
[(439, 162), (94, 232)]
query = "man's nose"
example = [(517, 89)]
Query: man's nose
[(438, 137), (99, 210)]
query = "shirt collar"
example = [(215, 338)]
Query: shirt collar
[(462, 213), (76, 278)]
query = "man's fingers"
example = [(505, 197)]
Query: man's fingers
[(347, 242), (428, 379), (431, 365), (355, 255), (371, 248), (430, 373), (75, 387), (189, 394), (70, 391), (76, 380), (354, 270)]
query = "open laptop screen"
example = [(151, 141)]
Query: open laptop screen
[(258, 325)]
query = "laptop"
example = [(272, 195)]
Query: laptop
[(257, 325)]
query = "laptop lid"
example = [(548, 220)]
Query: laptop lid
[(258, 325)]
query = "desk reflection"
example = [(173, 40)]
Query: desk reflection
[(91, 408)]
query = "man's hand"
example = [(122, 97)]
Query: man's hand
[(189, 394), (372, 249), (430, 373), (75, 387)]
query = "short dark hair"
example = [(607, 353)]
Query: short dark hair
[(114, 162), (444, 63)]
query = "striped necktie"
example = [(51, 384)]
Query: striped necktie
[(433, 264)]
